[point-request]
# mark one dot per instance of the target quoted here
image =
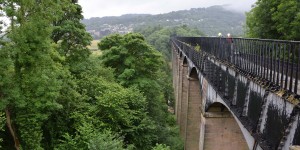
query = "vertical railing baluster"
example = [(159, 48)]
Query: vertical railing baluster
[(266, 59), (248, 56), (282, 64), (218, 54), (223, 46), (263, 60), (252, 57), (297, 70), (238, 58), (218, 43), (292, 67), (287, 67), (240, 54), (232, 52), (235, 53), (270, 63), (261, 55), (272, 70), (254, 54), (278, 62), (243, 54), (257, 56)]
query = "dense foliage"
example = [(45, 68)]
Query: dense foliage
[(137, 65), (274, 19), (55, 95), (159, 37)]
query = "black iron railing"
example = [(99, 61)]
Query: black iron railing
[(274, 61)]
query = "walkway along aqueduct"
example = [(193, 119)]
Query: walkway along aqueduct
[(235, 94)]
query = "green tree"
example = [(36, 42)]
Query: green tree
[(287, 19), (70, 34), (275, 19), (91, 139), (56, 96), (71, 41), (161, 147), (159, 38), (137, 65), (32, 97), (2, 124), (259, 21), (134, 61), (131, 57)]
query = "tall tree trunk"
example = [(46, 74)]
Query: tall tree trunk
[(11, 129)]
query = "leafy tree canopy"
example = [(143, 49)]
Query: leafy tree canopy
[(131, 57), (138, 65), (55, 95), (275, 19)]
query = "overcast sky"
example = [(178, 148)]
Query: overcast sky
[(100, 8)]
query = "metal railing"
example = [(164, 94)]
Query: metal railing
[(273, 61)]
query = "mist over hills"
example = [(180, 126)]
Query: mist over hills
[(210, 21)]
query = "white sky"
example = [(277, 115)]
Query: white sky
[(100, 8)]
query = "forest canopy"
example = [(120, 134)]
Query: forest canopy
[(55, 95)]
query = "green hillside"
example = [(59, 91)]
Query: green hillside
[(210, 21)]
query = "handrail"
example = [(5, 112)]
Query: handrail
[(274, 61)]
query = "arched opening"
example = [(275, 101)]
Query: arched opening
[(194, 74), (180, 54), (184, 61), (217, 108), (194, 113), (221, 130)]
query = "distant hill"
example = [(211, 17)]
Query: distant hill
[(210, 21)]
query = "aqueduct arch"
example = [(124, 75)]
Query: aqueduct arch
[(221, 130), (207, 85), (194, 114)]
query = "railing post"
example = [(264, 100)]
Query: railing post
[(297, 70), (274, 61)]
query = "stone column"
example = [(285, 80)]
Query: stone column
[(179, 91), (193, 115), (184, 101), (176, 75), (173, 64)]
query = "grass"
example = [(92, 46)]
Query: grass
[(96, 52), (94, 48), (94, 45)]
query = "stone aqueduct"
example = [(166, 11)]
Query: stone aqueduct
[(219, 105)]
